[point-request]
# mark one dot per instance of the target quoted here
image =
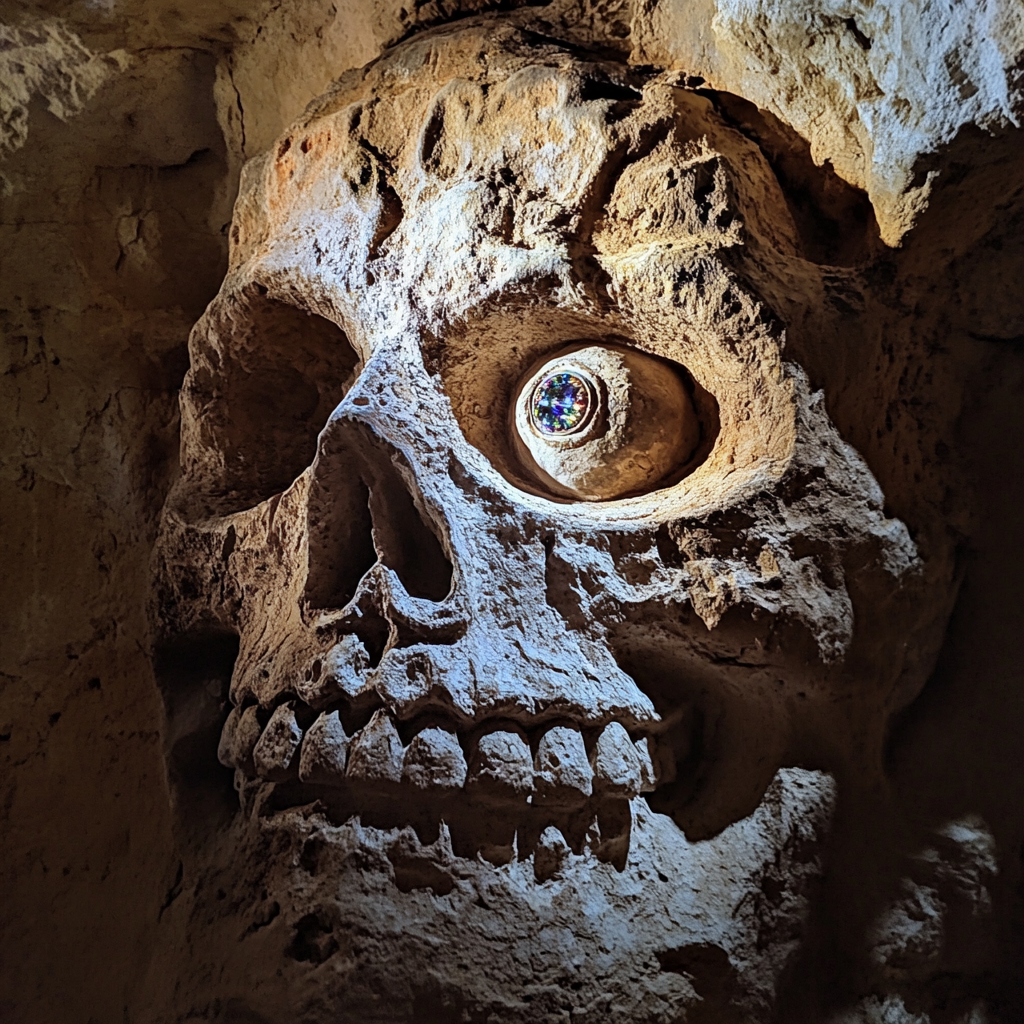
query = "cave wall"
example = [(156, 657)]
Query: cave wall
[(125, 129)]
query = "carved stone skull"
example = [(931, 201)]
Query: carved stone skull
[(545, 566)]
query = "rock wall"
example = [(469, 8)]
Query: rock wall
[(892, 134)]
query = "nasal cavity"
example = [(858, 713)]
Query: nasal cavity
[(341, 547), (404, 536), (361, 511)]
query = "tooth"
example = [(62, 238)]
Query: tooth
[(616, 764), (275, 755), (240, 734), (563, 772), (228, 735), (324, 751), (375, 753), (502, 765), (550, 854), (434, 760), (648, 777)]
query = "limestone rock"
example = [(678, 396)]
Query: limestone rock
[(352, 530), (275, 755), (618, 770), (409, 266), (375, 754), (434, 761), (563, 773), (324, 751), (239, 736), (550, 854), (889, 85), (502, 764)]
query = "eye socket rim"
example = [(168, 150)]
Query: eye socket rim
[(484, 360), (245, 439)]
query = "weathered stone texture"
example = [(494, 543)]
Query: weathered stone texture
[(742, 744)]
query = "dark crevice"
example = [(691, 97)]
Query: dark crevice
[(432, 135), (420, 873), (477, 825), (862, 40), (372, 629), (405, 542), (341, 542), (835, 220), (391, 209), (354, 712), (595, 89), (194, 673), (450, 15), (313, 940), (560, 591), (584, 51), (714, 978), (364, 509)]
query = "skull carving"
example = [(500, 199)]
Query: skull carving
[(544, 565)]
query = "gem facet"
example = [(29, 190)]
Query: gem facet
[(560, 403)]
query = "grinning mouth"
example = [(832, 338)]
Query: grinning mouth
[(496, 785)]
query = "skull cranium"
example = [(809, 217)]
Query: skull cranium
[(446, 643)]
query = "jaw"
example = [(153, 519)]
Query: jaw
[(382, 922), (384, 900)]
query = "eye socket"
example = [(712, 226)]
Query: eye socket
[(598, 422), (265, 376)]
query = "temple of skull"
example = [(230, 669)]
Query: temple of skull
[(511, 512)]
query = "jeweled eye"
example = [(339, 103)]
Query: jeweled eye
[(562, 404), (603, 421)]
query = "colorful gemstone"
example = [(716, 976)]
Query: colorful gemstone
[(560, 403)]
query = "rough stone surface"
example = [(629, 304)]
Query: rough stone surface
[(502, 763), (434, 761), (693, 188), (376, 753), (617, 767), (876, 87), (276, 754), (324, 751)]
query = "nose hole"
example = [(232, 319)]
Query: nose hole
[(373, 632), (362, 510), (341, 549), (405, 539)]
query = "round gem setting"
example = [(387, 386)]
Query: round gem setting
[(561, 404)]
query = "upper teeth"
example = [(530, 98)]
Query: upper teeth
[(324, 750), (276, 752), (238, 738), (376, 751), (500, 762), (563, 773), (435, 760), (617, 768)]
